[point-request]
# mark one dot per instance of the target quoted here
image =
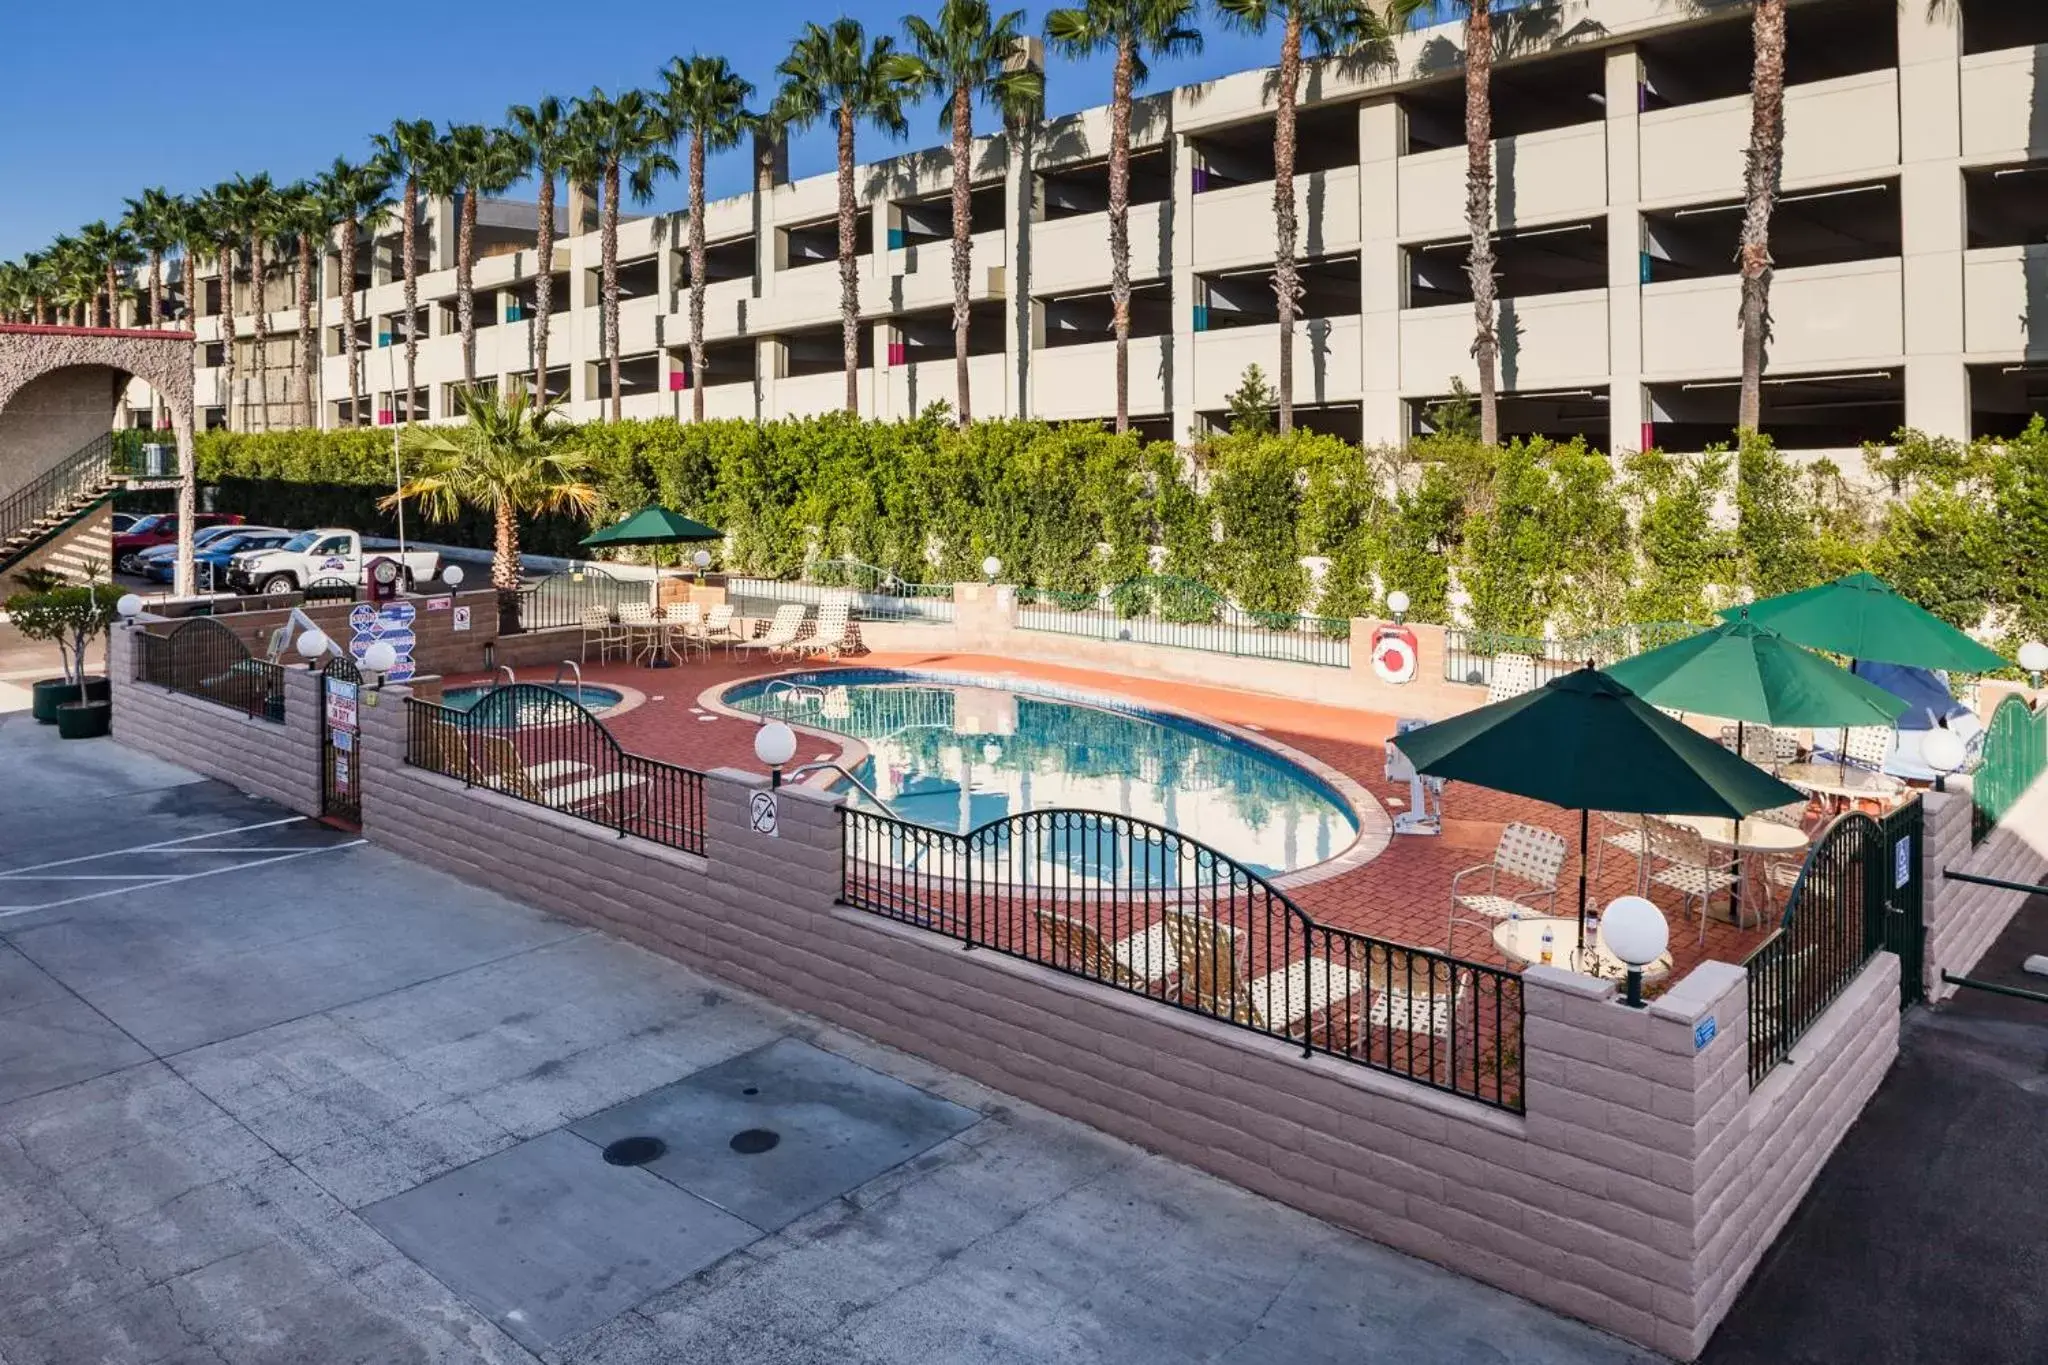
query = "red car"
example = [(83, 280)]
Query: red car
[(161, 528)]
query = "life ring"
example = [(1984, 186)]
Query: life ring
[(1394, 654)]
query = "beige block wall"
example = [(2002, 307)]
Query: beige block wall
[(1964, 919), (1636, 1192)]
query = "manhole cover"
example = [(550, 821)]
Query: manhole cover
[(635, 1151), (754, 1141)]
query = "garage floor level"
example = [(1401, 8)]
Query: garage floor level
[(269, 1094)]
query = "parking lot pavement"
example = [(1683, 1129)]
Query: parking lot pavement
[(308, 1102)]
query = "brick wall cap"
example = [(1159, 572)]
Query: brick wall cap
[(1570, 982), (1703, 988)]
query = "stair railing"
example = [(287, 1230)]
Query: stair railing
[(83, 473)]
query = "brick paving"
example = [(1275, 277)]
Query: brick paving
[(1402, 895)]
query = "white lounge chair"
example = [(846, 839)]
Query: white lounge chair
[(834, 633), (599, 626), (781, 635), (1513, 674), (719, 629)]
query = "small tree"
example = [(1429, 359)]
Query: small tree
[(1251, 406), (1455, 417), (70, 618)]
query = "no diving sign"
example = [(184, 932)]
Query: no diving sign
[(761, 814)]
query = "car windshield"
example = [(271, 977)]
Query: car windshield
[(230, 544), (148, 523), (207, 535), (302, 541)]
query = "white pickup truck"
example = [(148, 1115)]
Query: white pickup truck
[(325, 556)]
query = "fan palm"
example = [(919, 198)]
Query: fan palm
[(38, 282), (406, 154), (835, 72), (1354, 36), (153, 221), (486, 161), (251, 202), (967, 55), (1134, 31), (107, 249), (215, 225), (621, 139), (705, 100), (357, 202), (511, 457), (542, 139), (306, 221)]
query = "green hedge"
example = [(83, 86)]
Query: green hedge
[(1536, 532)]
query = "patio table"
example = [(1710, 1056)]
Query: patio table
[(1522, 940), (1750, 840), (1842, 785)]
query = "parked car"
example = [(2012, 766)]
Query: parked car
[(159, 562), (123, 520), (329, 554), (211, 557), (160, 528)]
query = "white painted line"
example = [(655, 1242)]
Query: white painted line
[(167, 846), (79, 876), (10, 911)]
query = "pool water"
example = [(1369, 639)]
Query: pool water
[(532, 710), (956, 754)]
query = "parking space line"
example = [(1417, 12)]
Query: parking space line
[(165, 846), (10, 911)]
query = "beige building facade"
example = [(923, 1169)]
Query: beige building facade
[(1912, 250)]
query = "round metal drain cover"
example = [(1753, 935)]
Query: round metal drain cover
[(754, 1141), (634, 1151)]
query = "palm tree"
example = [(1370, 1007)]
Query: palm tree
[(484, 161), (512, 457), (306, 222), (1479, 265), (834, 72), (705, 100), (1133, 30), (215, 224), (406, 154), (966, 56), (153, 221), (39, 283), (107, 250), (194, 234), (1355, 36), (251, 201), (356, 202), (542, 139), (621, 138)]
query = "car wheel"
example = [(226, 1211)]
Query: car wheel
[(131, 564), (279, 585)]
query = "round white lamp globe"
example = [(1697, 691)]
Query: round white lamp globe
[(1397, 602), (990, 567), (702, 559), (775, 744), (991, 753), (130, 606), (1943, 749), (380, 657), (1633, 929), (2034, 657), (312, 645), (453, 575)]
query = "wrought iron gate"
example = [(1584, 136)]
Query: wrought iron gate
[(341, 770), (1905, 928)]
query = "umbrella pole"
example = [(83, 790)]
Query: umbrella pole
[(1585, 821)]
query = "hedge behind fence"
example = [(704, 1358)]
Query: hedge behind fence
[(1536, 533)]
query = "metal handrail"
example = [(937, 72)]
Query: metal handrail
[(88, 469), (573, 667), (799, 773), (797, 691)]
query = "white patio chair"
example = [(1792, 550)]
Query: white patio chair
[(719, 628), (599, 626), (1525, 854), (1624, 834), (1513, 674), (641, 631), (783, 631), (686, 627), (1691, 867), (1868, 746), (834, 633)]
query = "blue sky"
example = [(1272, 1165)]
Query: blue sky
[(106, 97)]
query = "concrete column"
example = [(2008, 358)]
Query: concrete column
[(1381, 290), (441, 234), (1931, 205), (1624, 252), (583, 296), (1180, 229)]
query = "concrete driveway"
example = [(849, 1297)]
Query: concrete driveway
[(269, 1094)]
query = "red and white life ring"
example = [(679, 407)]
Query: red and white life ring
[(1393, 654)]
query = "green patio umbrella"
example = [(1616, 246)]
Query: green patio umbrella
[(1862, 617), (652, 525), (1751, 673), (1585, 742)]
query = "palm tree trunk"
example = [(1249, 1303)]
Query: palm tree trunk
[(1765, 169), (505, 565), (156, 289), (1479, 210), (963, 240), (305, 365), (1286, 275), (348, 322), (697, 275), (113, 295), (849, 275), (544, 286), (412, 288), (256, 302), (465, 290), (1120, 222), (227, 335), (608, 248)]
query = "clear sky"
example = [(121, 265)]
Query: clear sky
[(103, 98)]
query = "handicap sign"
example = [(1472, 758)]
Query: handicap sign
[(761, 814), (1902, 863), (344, 740), (1703, 1033)]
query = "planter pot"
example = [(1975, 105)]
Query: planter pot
[(46, 694), (84, 719), (98, 689)]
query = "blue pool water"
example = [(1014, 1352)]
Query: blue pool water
[(597, 700), (955, 753)]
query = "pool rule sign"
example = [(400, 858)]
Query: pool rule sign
[(341, 791), (391, 623)]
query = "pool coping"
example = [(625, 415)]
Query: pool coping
[(1375, 827), (630, 698)]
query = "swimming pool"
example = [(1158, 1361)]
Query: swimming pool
[(956, 753), (533, 710)]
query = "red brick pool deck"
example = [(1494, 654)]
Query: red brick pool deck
[(1402, 895)]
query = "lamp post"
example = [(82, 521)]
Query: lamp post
[(312, 644), (128, 608), (1943, 751), (380, 658), (774, 745), (452, 575), (1397, 604), (2034, 658), (990, 567), (1633, 929), (702, 561)]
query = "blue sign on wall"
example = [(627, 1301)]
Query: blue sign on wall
[(1703, 1033)]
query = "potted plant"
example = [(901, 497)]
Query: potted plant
[(71, 617)]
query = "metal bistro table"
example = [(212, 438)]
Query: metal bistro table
[(1522, 940), (1843, 784)]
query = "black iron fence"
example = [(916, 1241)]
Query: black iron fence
[(1142, 909), (571, 597), (1186, 614), (539, 745), (1478, 656), (202, 658), (871, 593), (56, 494)]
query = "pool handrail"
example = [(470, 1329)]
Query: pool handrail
[(511, 678), (797, 774), (573, 667)]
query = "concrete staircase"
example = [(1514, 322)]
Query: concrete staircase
[(59, 504)]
